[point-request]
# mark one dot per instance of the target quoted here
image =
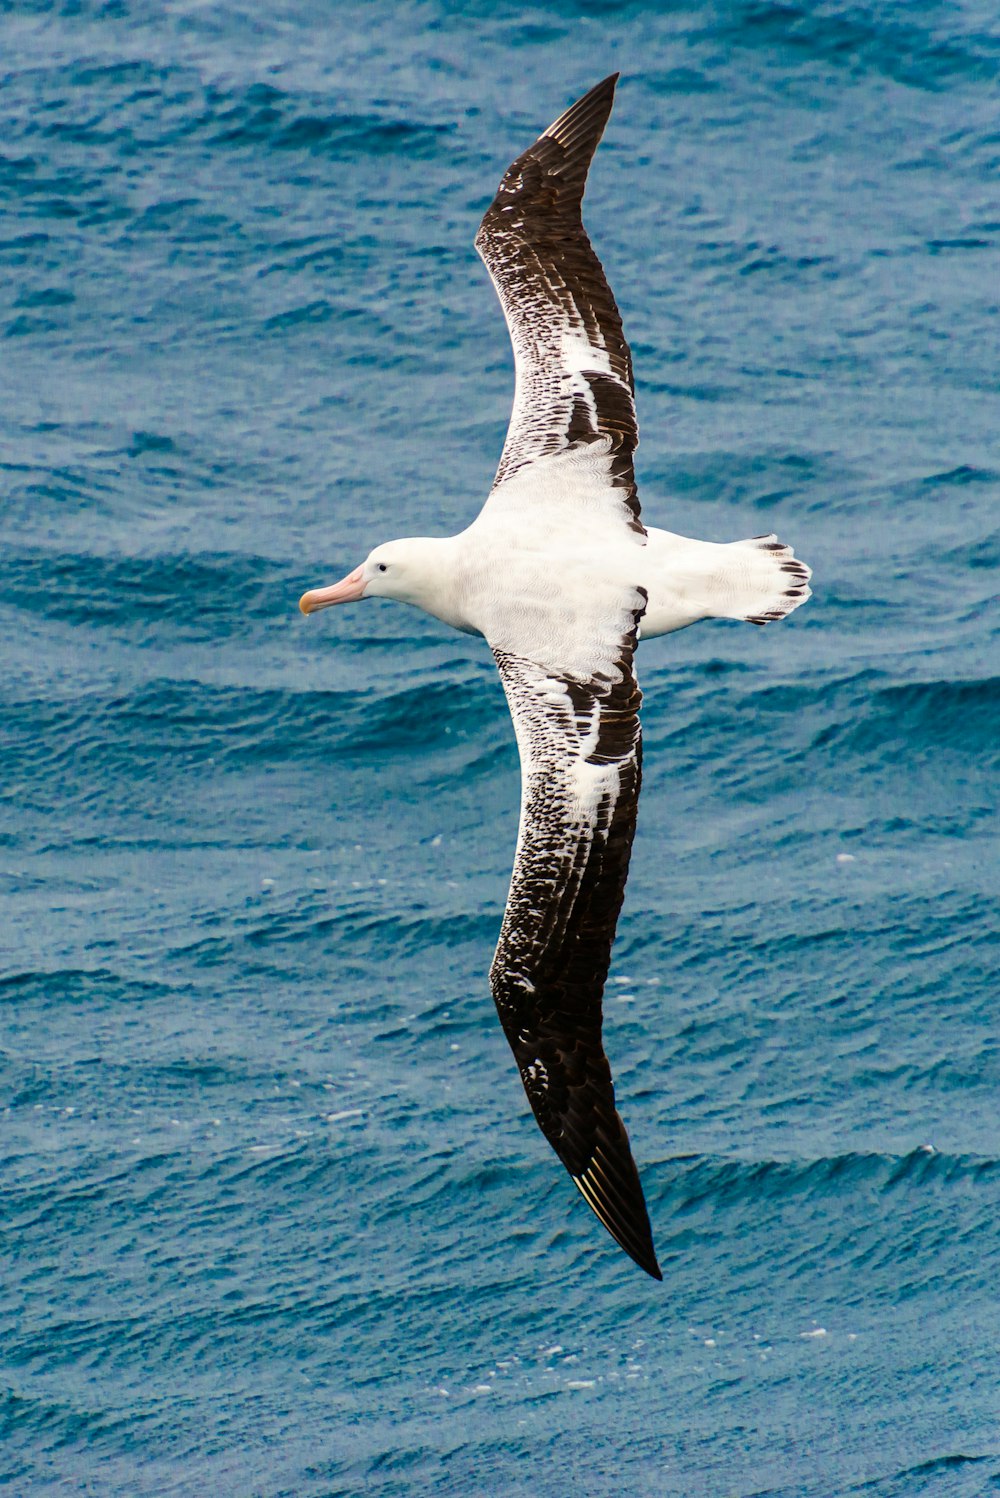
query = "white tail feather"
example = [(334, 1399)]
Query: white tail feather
[(757, 580), (768, 581)]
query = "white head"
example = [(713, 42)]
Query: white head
[(407, 570)]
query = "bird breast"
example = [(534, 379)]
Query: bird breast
[(565, 605)]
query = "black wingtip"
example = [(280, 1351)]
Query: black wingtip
[(646, 1261), (622, 1212), (642, 1254), (585, 120)]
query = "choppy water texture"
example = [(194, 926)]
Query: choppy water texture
[(276, 1219)]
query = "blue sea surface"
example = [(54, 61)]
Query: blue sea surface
[(275, 1217)]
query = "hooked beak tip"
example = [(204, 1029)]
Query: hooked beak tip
[(349, 590)]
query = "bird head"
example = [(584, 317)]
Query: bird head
[(397, 569)]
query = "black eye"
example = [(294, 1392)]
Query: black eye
[(382, 567)]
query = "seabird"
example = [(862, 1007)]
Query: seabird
[(560, 576)]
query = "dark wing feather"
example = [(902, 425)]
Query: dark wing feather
[(573, 367), (580, 765)]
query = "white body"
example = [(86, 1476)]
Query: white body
[(546, 573)]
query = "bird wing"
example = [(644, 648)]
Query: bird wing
[(580, 748), (573, 370)]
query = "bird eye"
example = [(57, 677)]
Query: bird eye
[(382, 567)]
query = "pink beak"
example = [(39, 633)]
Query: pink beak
[(350, 589)]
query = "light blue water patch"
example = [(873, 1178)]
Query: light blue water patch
[(276, 1219)]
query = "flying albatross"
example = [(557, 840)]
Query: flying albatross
[(560, 576)]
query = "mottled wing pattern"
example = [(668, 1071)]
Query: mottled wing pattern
[(573, 367), (580, 765)]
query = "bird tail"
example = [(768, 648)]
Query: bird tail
[(765, 580)]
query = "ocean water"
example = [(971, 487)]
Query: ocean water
[(275, 1217)]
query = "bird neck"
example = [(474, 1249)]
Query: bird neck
[(432, 580)]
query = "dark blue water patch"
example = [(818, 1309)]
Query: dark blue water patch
[(961, 715), (354, 933), (939, 246), (753, 725), (150, 442), (267, 117), (139, 733), (870, 1214), (139, 594), (857, 41), (141, 106), (313, 253), (22, 249), (976, 1473), (682, 80), (759, 479), (979, 553), (965, 474), (46, 296), (29, 327), (318, 311), (772, 260), (762, 734), (83, 986)]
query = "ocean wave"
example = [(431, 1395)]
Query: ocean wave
[(687, 1183), (863, 711), (404, 934), (924, 1477), (144, 729), (147, 105), (203, 591), (961, 715), (78, 985), (163, 723), (266, 116), (857, 39)]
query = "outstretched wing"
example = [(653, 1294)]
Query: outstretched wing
[(580, 767), (573, 369)]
